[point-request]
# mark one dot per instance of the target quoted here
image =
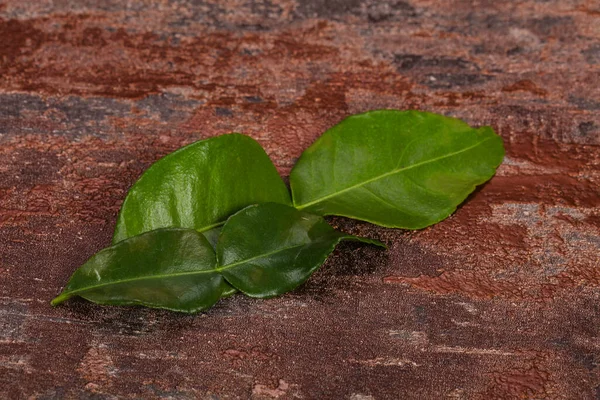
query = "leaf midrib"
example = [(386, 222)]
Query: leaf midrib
[(65, 295), (385, 175)]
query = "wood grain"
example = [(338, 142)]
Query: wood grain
[(502, 300)]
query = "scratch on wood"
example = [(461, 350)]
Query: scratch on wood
[(386, 362), (471, 350)]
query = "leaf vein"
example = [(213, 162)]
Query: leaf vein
[(384, 201), (235, 264), (393, 172)]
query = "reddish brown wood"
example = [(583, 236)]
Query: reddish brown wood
[(502, 300)]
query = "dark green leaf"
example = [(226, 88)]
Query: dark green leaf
[(263, 250), (212, 236), (402, 169), (199, 186), (172, 269), (268, 249)]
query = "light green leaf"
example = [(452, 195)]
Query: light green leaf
[(401, 169)]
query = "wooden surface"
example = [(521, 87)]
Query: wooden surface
[(502, 300)]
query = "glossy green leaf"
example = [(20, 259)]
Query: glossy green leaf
[(172, 269), (263, 250), (269, 249), (212, 236), (199, 186), (402, 169)]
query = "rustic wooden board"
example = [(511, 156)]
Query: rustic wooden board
[(502, 300)]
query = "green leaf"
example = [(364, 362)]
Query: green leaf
[(263, 250), (400, 169), (172, 269), (212, 236), (269, 249), (199, 186)]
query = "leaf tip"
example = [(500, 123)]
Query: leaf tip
[(374, 242), (381, 244), (377, 243)]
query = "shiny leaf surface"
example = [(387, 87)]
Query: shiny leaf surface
[(199, 186), (172, 269), (269, 249), (402, 169)]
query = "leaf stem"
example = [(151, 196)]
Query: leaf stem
[(60, 298), (209, 227)]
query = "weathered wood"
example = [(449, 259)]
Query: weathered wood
[(502, 300)]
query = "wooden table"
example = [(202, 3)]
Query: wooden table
[(501, 300)]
